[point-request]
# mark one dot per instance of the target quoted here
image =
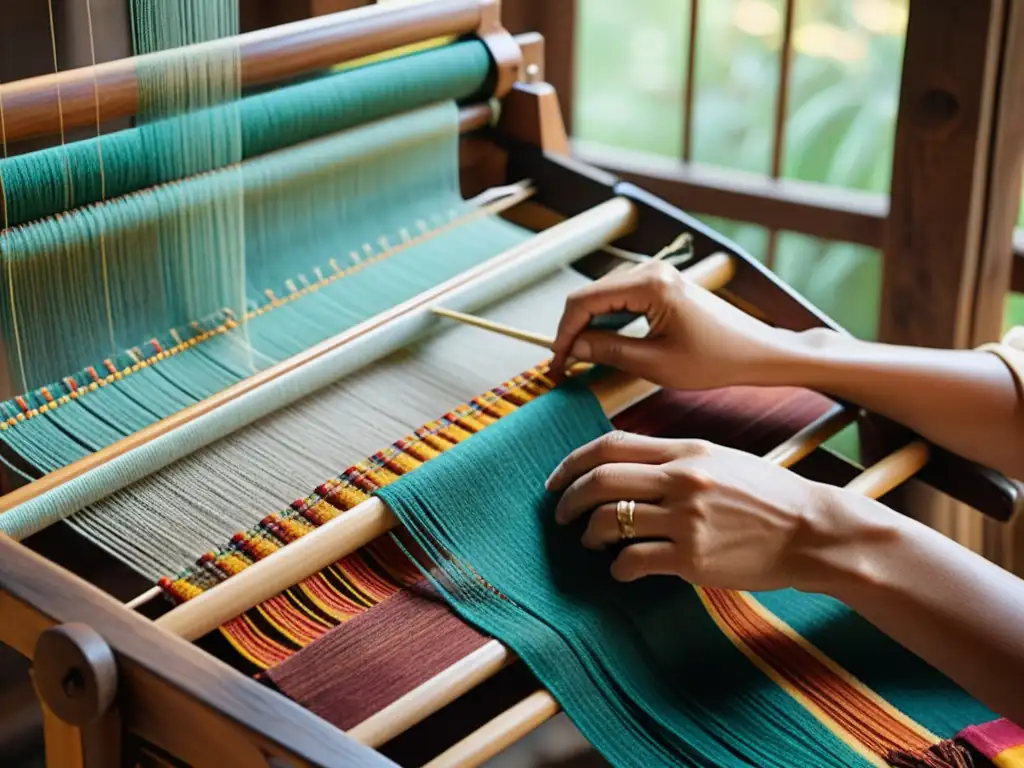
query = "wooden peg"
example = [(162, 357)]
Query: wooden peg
[(75, 675)]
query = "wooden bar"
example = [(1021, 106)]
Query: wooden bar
[(940, 168), (939, 204), (690, 83), (781, 113), (796, 206), (271, 55), (173, 694), (998, 265), (1003, 195)]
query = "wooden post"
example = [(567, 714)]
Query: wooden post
[(945, 279), (1003, 544), (555, 20)]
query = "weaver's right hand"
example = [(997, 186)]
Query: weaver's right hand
[(696, 340)]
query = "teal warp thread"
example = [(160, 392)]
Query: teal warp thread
[(304, 209), (36, 184), (641, 668)]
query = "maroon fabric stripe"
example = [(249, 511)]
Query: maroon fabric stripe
[(754, 419), (372, 660), (368, 662)]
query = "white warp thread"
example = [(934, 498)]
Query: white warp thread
[(160, 525)]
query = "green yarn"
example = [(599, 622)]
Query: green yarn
[(307, 210), (641, 668), (53, 180)]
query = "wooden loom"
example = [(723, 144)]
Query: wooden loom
[(108, 677)]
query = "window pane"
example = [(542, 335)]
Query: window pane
[(844, 92), (737, 77), (630, 62)]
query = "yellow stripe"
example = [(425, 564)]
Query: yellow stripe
[(394, 53), (845, 736), (837, 670), (1010, 758)]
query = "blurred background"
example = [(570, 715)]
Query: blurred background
[(844, 80)]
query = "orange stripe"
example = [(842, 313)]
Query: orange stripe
[(855, 713)]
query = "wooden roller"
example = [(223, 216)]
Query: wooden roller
[(48, 104)]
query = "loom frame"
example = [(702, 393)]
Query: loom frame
[(136, 678)]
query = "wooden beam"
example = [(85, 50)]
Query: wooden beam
[(170, 692), (796, 206), (940, 172), (1006, 169), (946, 215), (1017, 281)]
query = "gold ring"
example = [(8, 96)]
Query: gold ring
[(624, 514)]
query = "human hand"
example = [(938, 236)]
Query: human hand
[(696, 339), (714, 516)]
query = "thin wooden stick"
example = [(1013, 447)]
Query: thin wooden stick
[(892, 471), (500, 733), (365, 522), (269, 55), (539, 707), (502, 329), (539, 339), (146, 597)]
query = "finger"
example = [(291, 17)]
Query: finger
[(650, 521), (633, 291), (646, 558), (616, 447), (610, 483), (640, 357)]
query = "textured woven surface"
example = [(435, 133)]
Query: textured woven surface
[(658, 672)]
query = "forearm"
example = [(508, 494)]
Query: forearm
[(951, 607), (964, 401)]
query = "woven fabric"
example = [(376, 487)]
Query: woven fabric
[(659, 672), (369, 662), (347, 674)]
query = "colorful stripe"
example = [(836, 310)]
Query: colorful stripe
[(1000, 741), (853, 712)]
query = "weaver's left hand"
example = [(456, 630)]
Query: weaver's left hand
[(714, 516)]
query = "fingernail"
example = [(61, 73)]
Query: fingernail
[(550, 482), (580, 349)]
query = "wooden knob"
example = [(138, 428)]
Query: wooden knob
[(75, 673)]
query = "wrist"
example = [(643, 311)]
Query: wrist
[(846, 543), (809, 359)]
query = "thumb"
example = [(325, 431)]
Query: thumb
[(640, 357)]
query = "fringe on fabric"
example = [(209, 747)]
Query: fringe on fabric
[(946, 754)]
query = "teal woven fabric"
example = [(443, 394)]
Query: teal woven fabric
[(642, 669), (53, 180)]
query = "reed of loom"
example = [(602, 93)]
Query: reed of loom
[(102, 670)]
